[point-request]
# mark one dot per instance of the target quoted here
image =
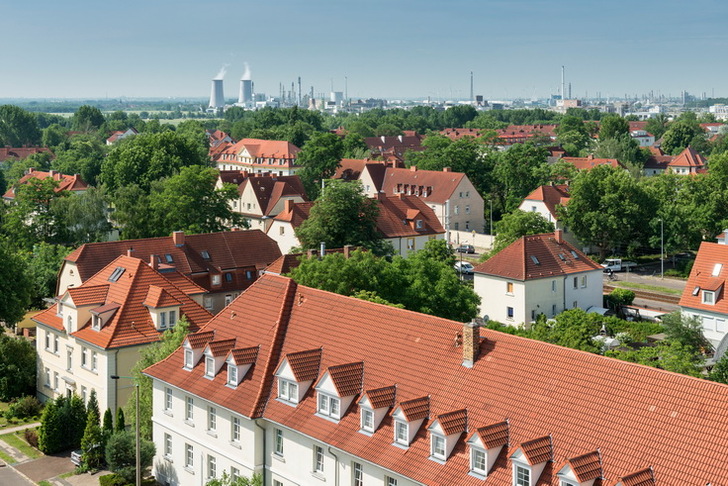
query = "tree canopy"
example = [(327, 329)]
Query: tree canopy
[(319, 159), (517, 224)]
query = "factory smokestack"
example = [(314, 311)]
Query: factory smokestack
[(563, 85), (217, 98)]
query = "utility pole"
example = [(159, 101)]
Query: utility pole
[(662, 248), (136, 430)]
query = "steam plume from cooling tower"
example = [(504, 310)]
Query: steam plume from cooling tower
[(221, 73), (246, 74)]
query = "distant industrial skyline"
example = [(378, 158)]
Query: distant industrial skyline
[(403, 49)]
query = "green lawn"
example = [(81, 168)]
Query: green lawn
[(16, 440), (649, 288), (13, 422), (6, 458)]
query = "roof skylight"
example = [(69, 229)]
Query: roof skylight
[(716, 269), (118, 271), (535, 260)]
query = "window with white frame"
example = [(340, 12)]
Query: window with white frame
[(211, 467), (69, 358), (172, 318), (84, 357), (55, 343), (167, 399), (55, 380), (509, 313), (163, 320), (211, 419), (48, 340), (318, 459), (391, 481), (357, 472), (278, 442), (401, 432), (437, 446), (209, 366), (328, 405), (467, 209), (410, 243), (287, 390), (477, 461), (234, 473), (167, 445), (235, 429), (48, 377), (277, 483), (553, 286), (96, 323), (189, 408), (367, 420), (521, 476), (83, 393), (94, 360), (188, 358), (419, 224), (583, 281), (232, 374), (576, 282), (189, 456), (708, 297)]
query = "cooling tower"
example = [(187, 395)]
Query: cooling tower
[(217, 98), (246, 91)]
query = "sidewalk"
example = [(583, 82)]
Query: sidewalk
[(9, 430)]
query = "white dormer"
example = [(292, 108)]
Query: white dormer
[(164, 308), (581, 471), (215, 355), (239, 362), (296, 374), (530, 459), (408, 418), (193, 346), (485, 445), (445, 431), (100, 316), (337, 388), (373, 407)]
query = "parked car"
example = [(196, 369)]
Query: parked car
[(465, 249), (465, 268)]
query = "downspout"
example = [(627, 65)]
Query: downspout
[(262, 466), (565, 278), (336, 469)]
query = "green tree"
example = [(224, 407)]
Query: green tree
[(17, 367), (170, 340), (84, 156), (342, 215), (666, 356), (120, 422), (29, 218), (148, 157), (573, 328), (87, 118), (83, 218), (613, 126), (623, 148), (619, 297), (319, 159), (519, 170), (608, 209), (227, 480), (719, 372), (18, 127), (657, 125), (50, 431), (573, 134), (93, 405), (688, 331), (680, 134), (15, 286), (132, 212), (354, 146), (516, 224), (42, 265), (53, 136), (62, 424), (108, 423), (190, 202), (92, 443), (121, 455)]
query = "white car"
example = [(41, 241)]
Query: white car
[(464, 267)]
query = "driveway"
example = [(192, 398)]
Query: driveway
[(9, 476), (46, 467)]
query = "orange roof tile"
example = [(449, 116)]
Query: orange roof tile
[(454, 422), (243, 356), (538, 450), (443, 183), (222, 347), (200, 339), (8, 153), (701, 278), (688, 158), (645, 477), (551, 196), (586, 467), (382, 397), (305, 364), (398, 215), (65, 182), (537, 256), (416, 409), (347, 378), (587, 163), (494, 435), (159, 297), (89, 294)]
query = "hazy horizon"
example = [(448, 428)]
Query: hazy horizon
[(394, 50)]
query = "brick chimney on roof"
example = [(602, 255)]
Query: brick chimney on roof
[(153, 262), (288, 205), (559, 236), (178, 237), (471, 342), (413, 168), (130, 252), (447, 169)]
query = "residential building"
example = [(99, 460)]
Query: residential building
[(546, 200), (223, 263), (259, 156), (704, 294), (121, 135), (8, 152), (98, 329), (688, 162), (451, 195), (308, 387), (262, 196), (404, 221), (643, 137), (73, 183), (588, 163), (393, 147), (537, 274), (657, 163)]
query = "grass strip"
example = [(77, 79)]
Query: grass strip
[(15, 441), (650, 288)]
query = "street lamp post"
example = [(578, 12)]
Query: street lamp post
[(136, 430)]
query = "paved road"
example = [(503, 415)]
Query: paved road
[(47, 467), (11, 477)]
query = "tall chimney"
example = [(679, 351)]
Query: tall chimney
[(447, 169), (178, 238), (471, 342), (563, 85), (559, 236), (153, 262)]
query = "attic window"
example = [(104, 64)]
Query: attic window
[(535, 260), (116, 274), (716, 269), (696, 290), (418, 224), (562, 257), (205, 254), (573, 253), (168, 258)]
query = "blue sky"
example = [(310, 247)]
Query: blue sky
[(386, 48)]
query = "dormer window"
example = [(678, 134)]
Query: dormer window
[(205, 254), (367, 420), (329, 406), (401, 432), (216, 280), (530, 459), (477, 461), (419, 224), (437, 447), (287, 390), (209, 366), (96, 323), (189, 359), (521, 475), (485, 445), (232, 375), (708, 297), (296, 373)]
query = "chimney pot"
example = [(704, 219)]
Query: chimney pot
[(153, 262), (178, 238), (447, 169), (413, 168), (559, 236), (471, 342), (130, 252), (288, 205)]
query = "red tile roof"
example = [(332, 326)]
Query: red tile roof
[(9, 153), (244, 356), (297, 214), (537, 256), (688, 158), (65, 182), (228, 250), (398, 216), (159, 297), (443, 183), (551, 196), (416, 409), (347, 378), (645, 477), (636, 416), (587, 163), (702, 278), (382, 397), (454, 422), (131, 324), (458, 133), (222, 347), (538, 450), (494, 435), (89, 294), (305, 364), (200, 339), (587, 466)]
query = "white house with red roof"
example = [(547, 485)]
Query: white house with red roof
[(704, 296), (258, 156), (404, 221), (98, 329), (121, 135), (308, 387), (688, 162), (73, 183), (545, 200), (537, 274)]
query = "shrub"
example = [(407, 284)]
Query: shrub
[(121, 455), (619, 297), (111, 480), (62, 424), (31, 437), (25, 407)]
